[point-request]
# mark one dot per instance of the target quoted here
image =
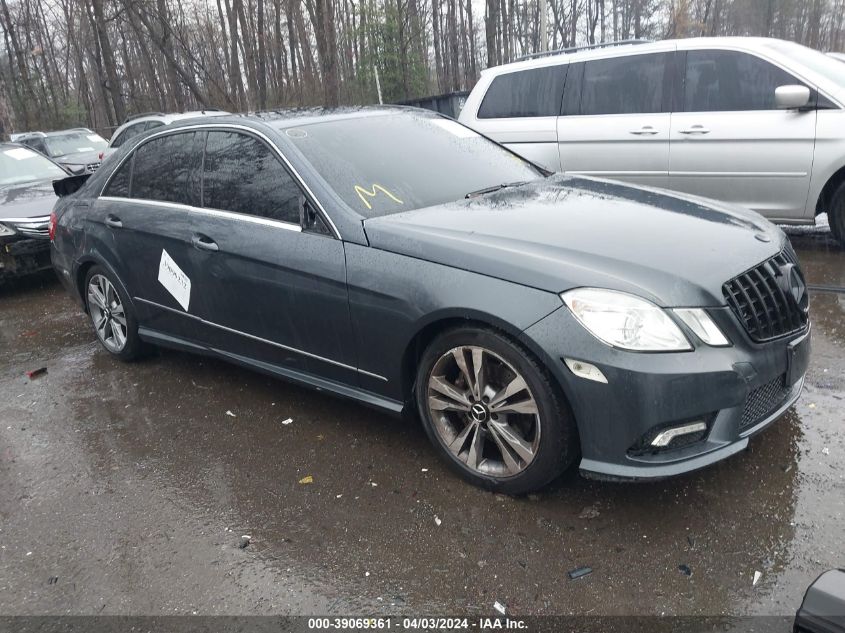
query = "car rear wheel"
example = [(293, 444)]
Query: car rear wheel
[(111, 314), (493, 412), (836, 214)]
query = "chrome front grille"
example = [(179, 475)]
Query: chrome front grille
[(92, 167), (770, 300), (763, 401), (31, 227)]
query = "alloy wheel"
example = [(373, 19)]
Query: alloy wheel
[(483, 411), (107, 313)]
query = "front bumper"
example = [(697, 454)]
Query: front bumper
[(20, 257), (737, 391)]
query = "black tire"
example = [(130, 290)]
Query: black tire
[(132, 346), (836, 214), (557, 445)]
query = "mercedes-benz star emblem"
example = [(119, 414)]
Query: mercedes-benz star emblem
[(792, 284), (479, 412)]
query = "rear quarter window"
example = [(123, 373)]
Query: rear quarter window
[(525, 93)]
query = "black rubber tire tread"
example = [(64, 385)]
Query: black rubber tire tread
[(135, 347), (836, 214), (559, 446)]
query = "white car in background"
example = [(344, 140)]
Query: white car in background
[(139, 123), (757, 122)]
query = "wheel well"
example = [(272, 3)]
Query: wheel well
[(828, 190), (422, 339), (418, 344), (81, 274)]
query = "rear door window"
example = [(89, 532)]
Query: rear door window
[(631, 84), (526, 93), (723, 81), (242, 174), (168, 168)]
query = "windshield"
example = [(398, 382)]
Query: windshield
[(825, 65), (388, 164), (74, 143), (19, 165)]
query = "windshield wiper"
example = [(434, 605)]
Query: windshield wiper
[(486, 190)]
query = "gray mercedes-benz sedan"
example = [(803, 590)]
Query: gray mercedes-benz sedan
[(398, 258)]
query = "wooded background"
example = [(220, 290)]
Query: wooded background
[(93, 62)]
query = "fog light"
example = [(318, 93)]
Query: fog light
[(664, 438), (585, 370)]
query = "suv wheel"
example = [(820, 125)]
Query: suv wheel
[(836, 214), (111, 314), (493, 412)]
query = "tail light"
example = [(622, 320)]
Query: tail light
[(53, 221)]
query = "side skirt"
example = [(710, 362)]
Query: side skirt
[(301, 378)]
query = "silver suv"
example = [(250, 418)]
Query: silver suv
[(754, 121), (139, 123)]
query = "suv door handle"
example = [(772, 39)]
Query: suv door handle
[(204, 243), (695, 129), (645, 130), (113, 221)]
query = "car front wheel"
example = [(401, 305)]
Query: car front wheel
[(493, 412), (111, 314)]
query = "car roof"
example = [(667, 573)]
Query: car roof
[(75, 130), (628, 47), (297, 117), (168, 117)]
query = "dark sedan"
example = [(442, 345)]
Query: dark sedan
[(26, 199), (398, 258)]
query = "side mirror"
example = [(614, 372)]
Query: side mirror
[(792, 97)]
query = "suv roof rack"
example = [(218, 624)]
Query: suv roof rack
[(132, 117), (576, 49)]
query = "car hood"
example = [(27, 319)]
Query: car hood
[(564, 232), (79, 158), (27, 200)]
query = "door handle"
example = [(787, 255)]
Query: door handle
[(695, 129), (645, 130), (204, 243), (113, 221)]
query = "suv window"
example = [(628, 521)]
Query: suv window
[(527, 93), (718, 81), (167, 169), (625, 85), (243, 175)]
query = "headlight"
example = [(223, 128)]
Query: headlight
[(75, 168), (5, 231), (625, 321), (702, 325)]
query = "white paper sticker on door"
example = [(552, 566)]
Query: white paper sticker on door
[(174, 280)]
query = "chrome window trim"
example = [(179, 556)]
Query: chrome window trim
[(259, 339), (233, 215), (226, 126)]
